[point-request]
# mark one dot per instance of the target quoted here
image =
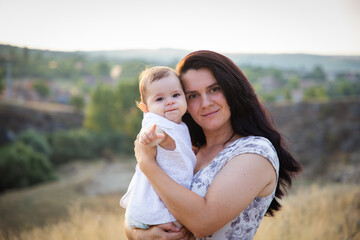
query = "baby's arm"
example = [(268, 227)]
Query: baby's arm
[(156, 136)]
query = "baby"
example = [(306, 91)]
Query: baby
[(163, 103)]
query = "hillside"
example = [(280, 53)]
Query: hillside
[(325, 137), (18, 116), (299, 61)]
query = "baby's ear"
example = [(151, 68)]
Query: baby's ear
[(143, 107)]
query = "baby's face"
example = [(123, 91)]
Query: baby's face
[(166, 98)]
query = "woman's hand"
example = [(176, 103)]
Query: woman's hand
[(170, 231), (144, 154), (173, 230), (167, 231)]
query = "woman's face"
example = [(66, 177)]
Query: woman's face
[(206, 101)]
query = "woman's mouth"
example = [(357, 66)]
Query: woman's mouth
[(210, 114)]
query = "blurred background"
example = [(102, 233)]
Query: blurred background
[(68, 117)]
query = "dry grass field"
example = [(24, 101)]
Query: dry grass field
[(58, 211), (81, 223), (330, 212)]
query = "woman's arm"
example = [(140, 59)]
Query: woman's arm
[(241, 180)]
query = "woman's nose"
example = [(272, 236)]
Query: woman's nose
[(206, 101)]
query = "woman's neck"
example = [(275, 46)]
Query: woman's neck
[(220, 137), (216, 141)]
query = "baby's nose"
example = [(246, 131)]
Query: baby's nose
[(169, 102)]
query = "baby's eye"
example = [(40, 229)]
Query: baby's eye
[(159, 99), (176, 95)]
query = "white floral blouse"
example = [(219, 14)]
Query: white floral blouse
[(244, 226)]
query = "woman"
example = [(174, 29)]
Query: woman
[(242, 168)]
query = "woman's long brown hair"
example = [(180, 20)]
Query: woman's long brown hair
[(248, 116)]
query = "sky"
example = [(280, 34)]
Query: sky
[(324, 27)]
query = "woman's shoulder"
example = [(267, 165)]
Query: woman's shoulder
[(255, 140), (257, 145), (252, 142)]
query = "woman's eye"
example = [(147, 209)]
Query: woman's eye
[(215, 89), (192, 96)]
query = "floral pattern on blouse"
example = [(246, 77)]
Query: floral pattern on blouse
[(245, 225)]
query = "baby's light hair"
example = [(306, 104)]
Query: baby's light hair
[(150, 75)]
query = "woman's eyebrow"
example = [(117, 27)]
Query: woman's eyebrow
[(187, 92), (210, 86)]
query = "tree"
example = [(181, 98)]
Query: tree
[(2, 84), (315, 93), (294, 81), (102, 69), (114, 109), (99, 110), (78, 102), (318, 74), (344, 88), (25, 62), (131, 70), (41, 88), (276, 74), (126, 95)]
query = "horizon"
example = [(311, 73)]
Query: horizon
[(320, 27), (179, 49)]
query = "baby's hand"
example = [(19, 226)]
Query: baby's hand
[(152, 135)]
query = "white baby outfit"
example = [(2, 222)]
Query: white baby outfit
[(142, 203)]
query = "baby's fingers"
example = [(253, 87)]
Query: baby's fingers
[(148, 135), (153, 128), (143, 140)]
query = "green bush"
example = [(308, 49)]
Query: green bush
[(73, 144), (21, 166), (2, 84), (82, 144), (41, 88), (78, 102), (35, 140), (114, 142)]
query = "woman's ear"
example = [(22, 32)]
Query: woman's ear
[(143, 107)]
